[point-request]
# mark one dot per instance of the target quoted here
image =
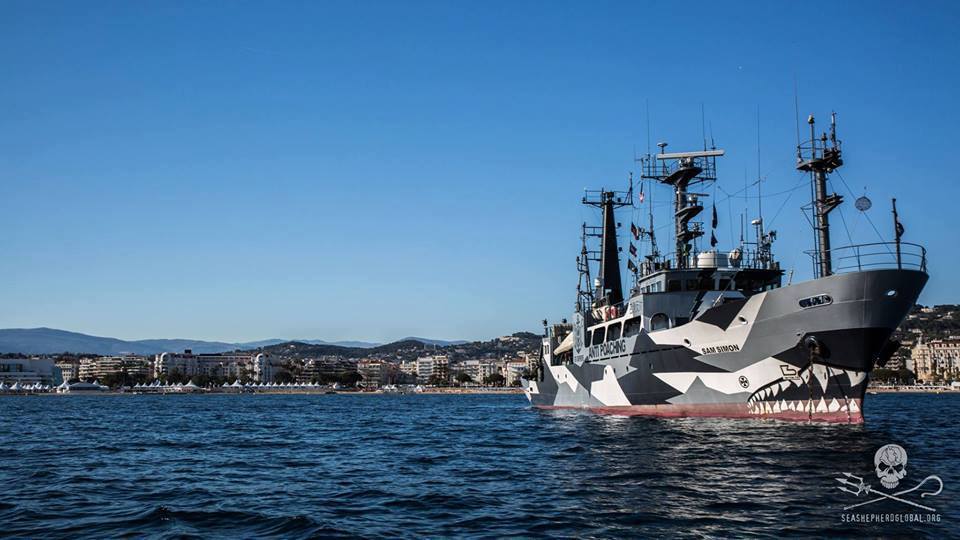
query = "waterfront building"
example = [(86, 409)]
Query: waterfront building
[(256, 366), (377, 372), (263, 369), (897, 362), (29, 371), (324, 368), (408, 371), (513, 370), (938, 359), (91, 369), (432, 367), (478, 370), (69, 368)]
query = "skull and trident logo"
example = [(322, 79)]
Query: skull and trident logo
[(890, 464)]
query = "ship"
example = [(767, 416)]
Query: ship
[(705, 332)]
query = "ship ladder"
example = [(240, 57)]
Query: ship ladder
[(814, 347)]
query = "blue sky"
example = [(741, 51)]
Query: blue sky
[(368, 170)]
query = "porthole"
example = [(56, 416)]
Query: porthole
[(742, 320), (891, 293), (814, 301)]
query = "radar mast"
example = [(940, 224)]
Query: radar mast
[(820, 158), (680, 170)]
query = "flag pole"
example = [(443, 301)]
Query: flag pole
[(897, 231)]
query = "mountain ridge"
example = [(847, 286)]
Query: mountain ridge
[(44, 340)]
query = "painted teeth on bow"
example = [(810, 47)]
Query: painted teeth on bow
[(764, 393), (763, 408), (822, 406), (760, 402), (833, 406)]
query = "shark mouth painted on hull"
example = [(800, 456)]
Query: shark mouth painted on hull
[(793, 399), (849, 412)]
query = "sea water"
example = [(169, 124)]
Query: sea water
[(297, 466)]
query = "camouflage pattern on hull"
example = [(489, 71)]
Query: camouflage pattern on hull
[(747, 359)]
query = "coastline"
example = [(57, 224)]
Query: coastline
[(218, 392), (426, 391), (912, 390)]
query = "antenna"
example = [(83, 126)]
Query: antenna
[(746, 206), (648, 127), (703, 126), (654, 252), (741, 230), (759, 177), (796, 108)]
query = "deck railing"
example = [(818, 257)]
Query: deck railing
[(877, 255)]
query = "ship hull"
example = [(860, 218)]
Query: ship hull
[(774, 355)]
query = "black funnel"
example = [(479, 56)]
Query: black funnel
[(610, 255)]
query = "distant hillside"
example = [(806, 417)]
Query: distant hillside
[(936, 322), (354, 344), (411, 348), (270, 342), (299, 350), (53, 341), (48, 340), (437, 342)]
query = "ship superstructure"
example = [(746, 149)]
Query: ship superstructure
[(704, 332)]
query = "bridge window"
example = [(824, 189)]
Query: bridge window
[(632, 327), (598, 335), (613, 332), (659, 322), (673, 285)]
